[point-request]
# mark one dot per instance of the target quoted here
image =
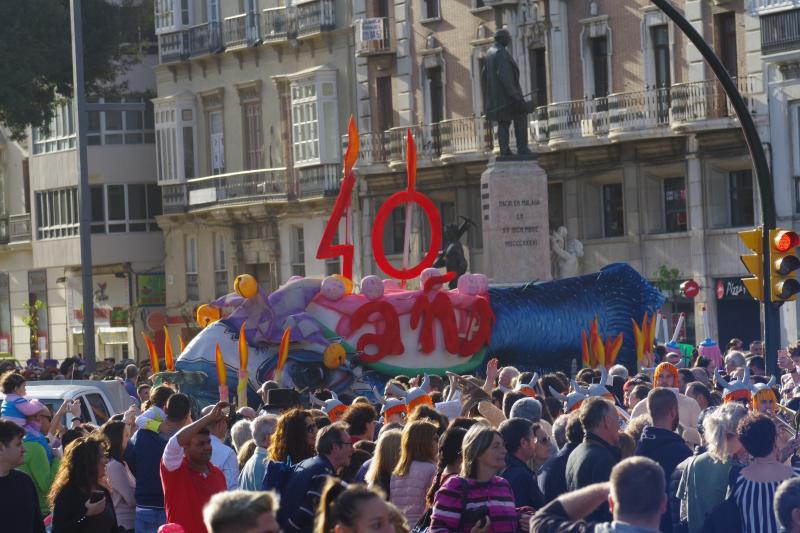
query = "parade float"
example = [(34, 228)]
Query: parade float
[(335, 334)]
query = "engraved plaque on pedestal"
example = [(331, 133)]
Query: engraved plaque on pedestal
[(516, 234)]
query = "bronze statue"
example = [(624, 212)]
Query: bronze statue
[(452, 255), (505, 102)]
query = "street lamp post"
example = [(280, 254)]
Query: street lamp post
[(771, 310), (84, 201)]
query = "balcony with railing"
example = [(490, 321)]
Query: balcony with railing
[(241, 31), (706, 102), (632, 112), (19, 228), (173, 198), (249, 186), (302, 20), (173, 46), (771, 6), (374, 36), (321, 181), (780, 32), (205, 39), (568, 121)]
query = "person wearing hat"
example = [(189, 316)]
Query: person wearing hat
[(40, 462), (666, 376), (277, 401)]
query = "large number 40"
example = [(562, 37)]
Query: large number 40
[(328, 250)]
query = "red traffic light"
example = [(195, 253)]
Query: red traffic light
[(785, 241)]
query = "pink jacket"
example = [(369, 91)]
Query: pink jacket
[(409, 491)]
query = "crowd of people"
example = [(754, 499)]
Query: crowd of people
[(678, 448)]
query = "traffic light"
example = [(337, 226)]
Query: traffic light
[(753, 262), (784, 264)]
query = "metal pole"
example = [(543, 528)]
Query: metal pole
[(84, 198), (772, 337)]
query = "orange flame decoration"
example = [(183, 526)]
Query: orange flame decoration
[(241, 388), (645, 339), (353, 146), (222, 374), (283, 354), (169, 358), (596, 351), (411, 161), (182, 343), (151, 349)]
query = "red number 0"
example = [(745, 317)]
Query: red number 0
[(410, 195)]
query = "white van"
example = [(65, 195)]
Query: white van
[(99, 400)]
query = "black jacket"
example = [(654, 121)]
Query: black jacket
[(504, 101), (553, 474), (300, 496), (591, 462), (668, 449)]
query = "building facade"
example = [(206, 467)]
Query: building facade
[(253, 99), (645, 158), (40, 259)]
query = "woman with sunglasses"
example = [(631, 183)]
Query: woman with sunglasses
[(81, 502), (292, 442)]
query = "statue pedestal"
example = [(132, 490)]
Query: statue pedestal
[(516, 236)]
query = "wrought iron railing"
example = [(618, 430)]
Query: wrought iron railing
[(19, 228), (374, 46), (238, 187), (205, 39), (705, 100), (780, 31), (638, 110), (318, 181), (242, 30)]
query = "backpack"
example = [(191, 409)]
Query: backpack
[(277, 476)]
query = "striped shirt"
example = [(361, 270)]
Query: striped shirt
[(458, 493), (755, 499)]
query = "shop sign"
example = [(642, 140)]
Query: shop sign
[(151, 290), (731, 289)]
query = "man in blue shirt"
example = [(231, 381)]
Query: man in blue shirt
[(131, 373), (521, 445)]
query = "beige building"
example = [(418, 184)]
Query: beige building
[(253, 99), (646, 162), (40, 251)]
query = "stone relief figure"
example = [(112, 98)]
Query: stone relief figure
[(565, 254)]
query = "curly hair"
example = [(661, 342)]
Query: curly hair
[(79, 467), (290, 438), (757, 434)]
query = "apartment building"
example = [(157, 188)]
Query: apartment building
[(253, 100), (39, 228), (645, 159)]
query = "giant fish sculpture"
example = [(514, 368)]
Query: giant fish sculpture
[(350, 342)]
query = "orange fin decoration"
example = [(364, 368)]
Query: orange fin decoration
[(611, 353), (182, 343), (596, 345), (151, 349), (639, 337), (244, 349), (222, 375), (586, 359), (651, 334), (243, 375), (169, 358), (283, 354)]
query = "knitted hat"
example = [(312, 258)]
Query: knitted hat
[(665, 367), (735, 390), (527, 408)]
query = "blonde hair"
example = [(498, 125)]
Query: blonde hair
[(237, 510), (477, 440), (718, 425), (387, 455), (417, 444)]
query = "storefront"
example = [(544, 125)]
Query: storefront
[(738, 314), (111, 316)]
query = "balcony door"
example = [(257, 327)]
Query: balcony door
[(217, 141), (213, 12), (663, 77)]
